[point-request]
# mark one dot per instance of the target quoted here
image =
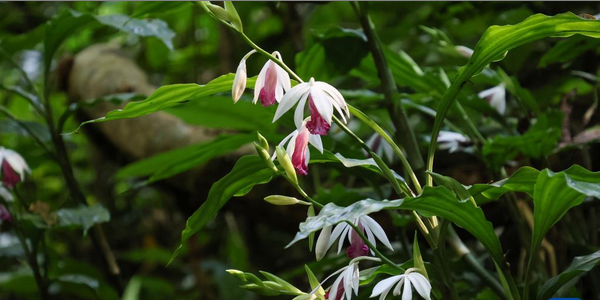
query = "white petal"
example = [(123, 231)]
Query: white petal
[(322, 103), (421, 284), (338, 99), (498, 100), (377, 230), (278, 93), (283, 78), (322, 242), (348, 282), (307, 157), (464, 51), (370, 237), (337, 231), (239, 81), (315, 140), (260, 81), (289, 99), (407, 291), (16, 162), (385, 284), (342, 238), (355, 279), (396, 291), (334, 287), (292, 145), (299, 113), (289, 136)]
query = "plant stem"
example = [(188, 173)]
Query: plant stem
[(404, 132), (28, 130)]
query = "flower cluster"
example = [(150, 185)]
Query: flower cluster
[(273, 85)]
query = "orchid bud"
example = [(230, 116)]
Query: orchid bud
[(217, 11), (239, 82), (286, 163), (284, 200), (323, 243), (262, 141), (233, 16), (264, 155)]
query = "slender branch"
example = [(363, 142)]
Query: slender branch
[(34, 136), (404, 132)]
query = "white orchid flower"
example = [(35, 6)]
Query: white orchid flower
[(297, 147), (409, 279), (452, 141), (464, 51), (342, 230), (271, 83), (380, 146), (14, 167), (321, 98), (239, 81), (496, 97)]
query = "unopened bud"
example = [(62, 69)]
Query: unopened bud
[(233, 16), (286, 163), (239, 81), (284, 200), (264, 155), (217, 11), (262, 141)]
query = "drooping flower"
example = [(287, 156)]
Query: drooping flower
[(452, 141), (4, 214), (370, 228), (381, 147), (297, 147), (239, 81), (464, 51), (409, 279), (13, 167), (345, 283), (271, 83), (496, 97), (321, 98)]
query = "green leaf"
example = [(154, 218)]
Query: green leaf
[(176, 161), (39, 129), (368, 275), (580, 265), (247, 172), (523, 180), (567, 50), (314, 282), (133, 289), (417, 258), (157, 7), (493, 45), (220, 112), (66, 23), (83, 216), (234, 17), (169, 96), (461, 192), (555, 193), (332, 214)]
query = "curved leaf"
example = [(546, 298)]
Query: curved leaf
[(493, 45), (247, 172), (580, 265), (169, 96), (176, 161)]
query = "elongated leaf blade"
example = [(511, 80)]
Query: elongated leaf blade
[(176, 161), (580, 265), (247, 172)]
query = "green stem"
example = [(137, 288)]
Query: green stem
[(404, 132), (469, 122)]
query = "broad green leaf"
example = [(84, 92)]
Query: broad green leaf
[(39, 129), (332, 214), (493, 45), (450, 183), (580, 265), (369, 163), (176, 161), (66, 23), (523, 180), (84, 216), (567, 50), (220, 112), (247, 172), (146, 8), (169, 96), (555, 193)]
